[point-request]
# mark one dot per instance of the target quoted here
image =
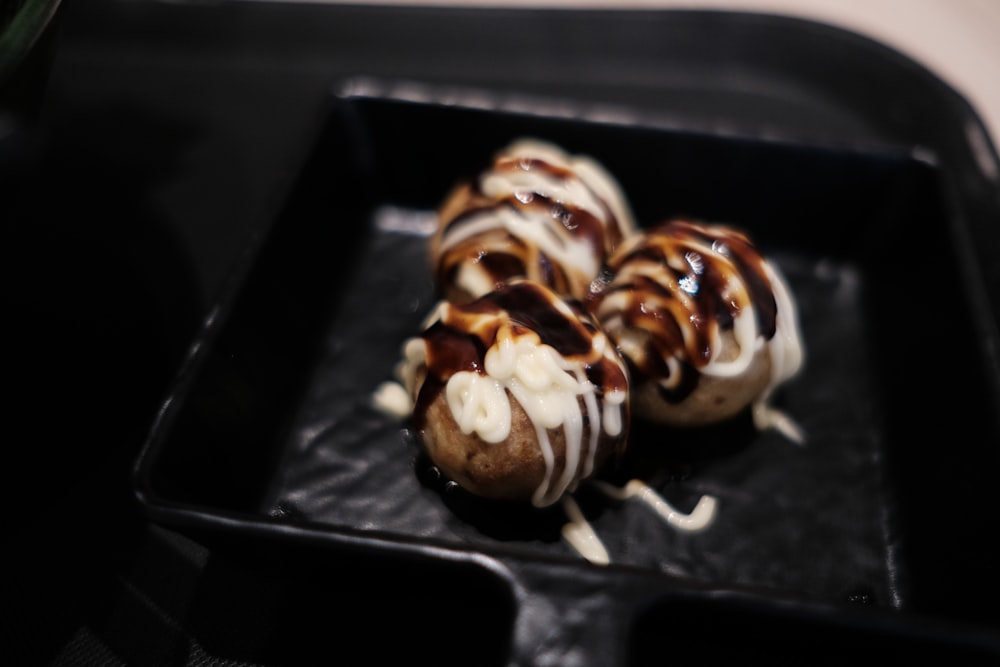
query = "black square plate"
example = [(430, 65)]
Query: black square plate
[(874, 530)]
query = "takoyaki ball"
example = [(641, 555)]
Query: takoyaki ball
[(707, 326), (517, 395), (536, 212)]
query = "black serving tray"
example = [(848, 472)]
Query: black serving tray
[(874, 533)]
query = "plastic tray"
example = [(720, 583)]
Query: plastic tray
[(846, 542)]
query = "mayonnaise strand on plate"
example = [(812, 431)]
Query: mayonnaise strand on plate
[(582, 537), (698, 519)]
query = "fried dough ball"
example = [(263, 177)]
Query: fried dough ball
[(536, 212), (517, 395), (706, 324)]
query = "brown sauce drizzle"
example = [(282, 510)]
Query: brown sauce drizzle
[(499, 254), (610, 237), (460, 339), (717, 286)]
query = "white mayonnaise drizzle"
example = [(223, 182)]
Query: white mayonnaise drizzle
[(699, 518), (580, 535), (548, 387), (392, 399), (479, 405), (786, 359), (546, 234), (395, 398), (584, 185), (785, 347), (744, 322), (565, 191), (613, 401), (473, 279), (594, 189)]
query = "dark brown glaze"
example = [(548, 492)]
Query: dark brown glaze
[(683, 284), (498, 254), (606, 237), (458, 341), (541, 449)]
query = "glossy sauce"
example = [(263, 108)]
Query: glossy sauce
[(677, 289), (535, 213), (524, 342)]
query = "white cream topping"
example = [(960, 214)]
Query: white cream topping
[(786, 359), (547, 234), (613, 401), (699, 518), (553, 391), (589, 171), (607, 189), (393, 399), (473, 279), (414, 356), (549, 388), (786, 346), (582, 537), (570, 191), (744, 322), (479, 405), (585, 186)]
